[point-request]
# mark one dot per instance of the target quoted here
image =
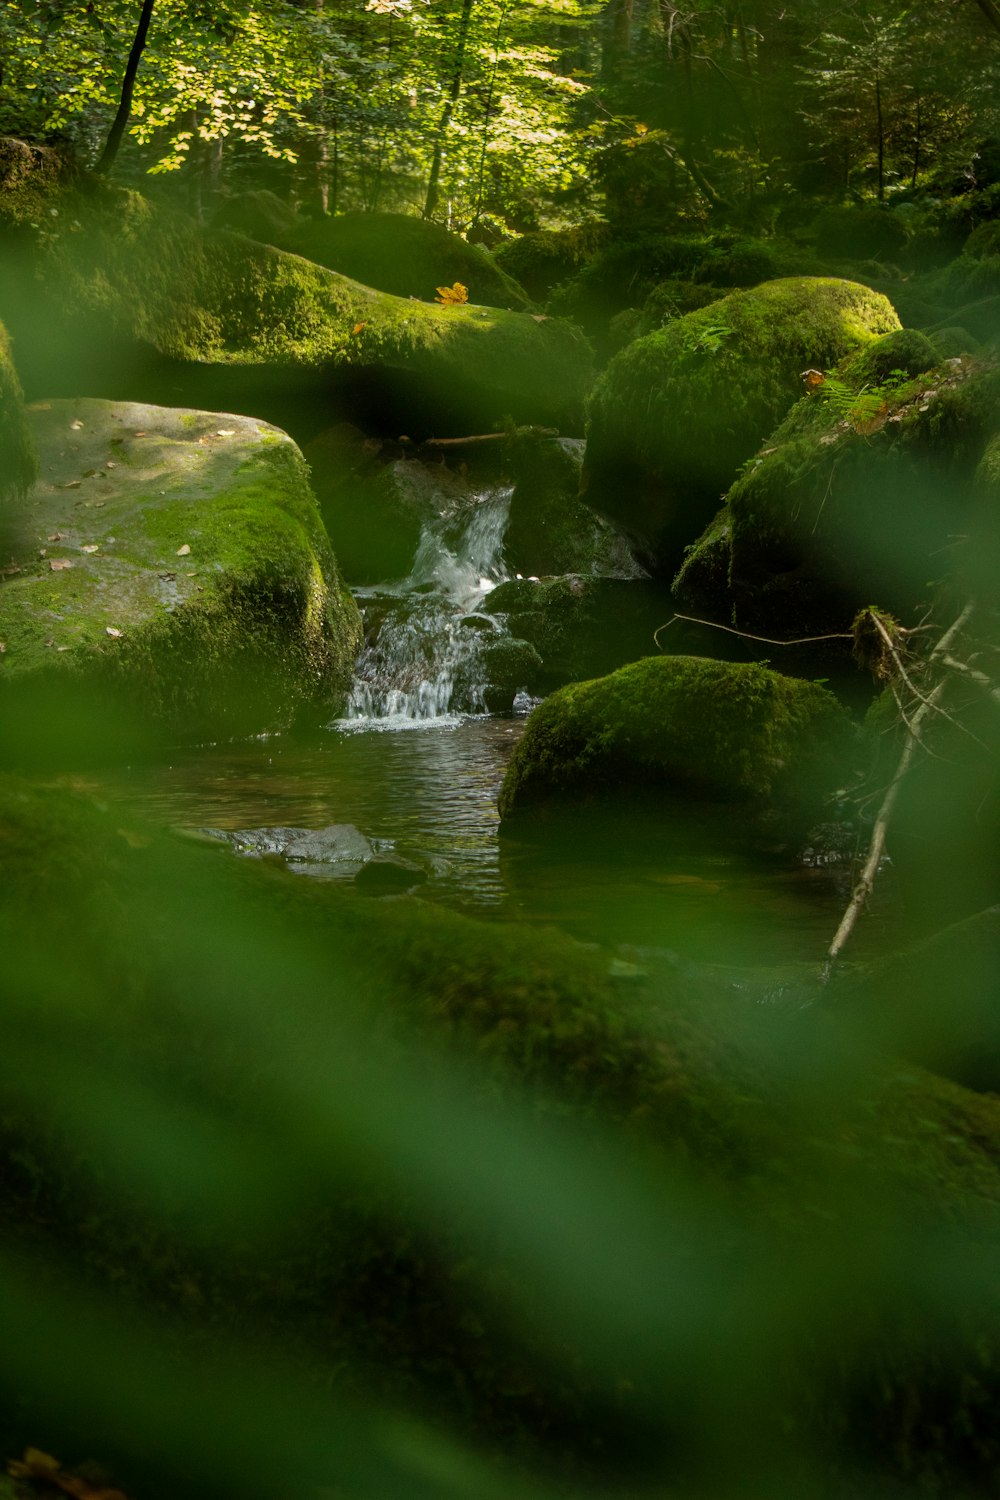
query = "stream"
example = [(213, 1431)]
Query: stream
[(416, 763)]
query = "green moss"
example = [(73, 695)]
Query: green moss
[(18, 462), (111, 259), (676, 413), (544, 258), (681, 726), (209, 567), (407, 256), (852, 503)]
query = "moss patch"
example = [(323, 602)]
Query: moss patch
[(676, 413), (18, 463), (856, 495), (103, 262), (179, 557), (682, 726), (407, 256)]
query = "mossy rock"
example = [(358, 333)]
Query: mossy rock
[(860, 232), (581, 627), (550, 530), (260, 215), (18, 462), (280, 1119), (175, 560), (109, 290), (407, 256), (856, 497), (543, 258), (676, 413), (702, 580), (683, 727)]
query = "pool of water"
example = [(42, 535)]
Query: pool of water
[(430, 790)]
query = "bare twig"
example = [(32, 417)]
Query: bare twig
[(981, 678), (876, 846), (802, 640)]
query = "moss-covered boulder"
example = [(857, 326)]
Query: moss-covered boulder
[(175, 559), (550, 529), (18, 464), (111, 292), (581, 626), (407, 256), (676, 413), (680, 727), (857, 497)]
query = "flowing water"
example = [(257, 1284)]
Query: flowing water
[(425, 661), (629, 883)]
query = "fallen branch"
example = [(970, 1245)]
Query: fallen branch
[(876, 846), (802, 640)]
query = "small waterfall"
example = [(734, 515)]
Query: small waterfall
[(430, 639)]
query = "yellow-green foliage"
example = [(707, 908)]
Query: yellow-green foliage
[(155, 276), (18, 465), (677, 412), (679, 726)]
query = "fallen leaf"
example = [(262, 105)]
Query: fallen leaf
[(72, 484), (225, 432), (540, 317), (183, 551), (59, 564), (115, 635), (43, 551), (813, 379), (55, 536), (75, 426), (111, 464), (3, 647), (450, 296), (63, 648), (91, 547), (358, 327), (138, 434)]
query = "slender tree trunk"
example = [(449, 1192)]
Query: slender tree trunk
[(128, 87), (489, 108), (916, 147), (454, 89), (617, 29), (880, 127)]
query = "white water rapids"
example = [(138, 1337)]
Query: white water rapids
[(426, 662)]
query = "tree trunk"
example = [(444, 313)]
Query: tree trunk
[(880, 127), (128, 86), (454, 89)]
